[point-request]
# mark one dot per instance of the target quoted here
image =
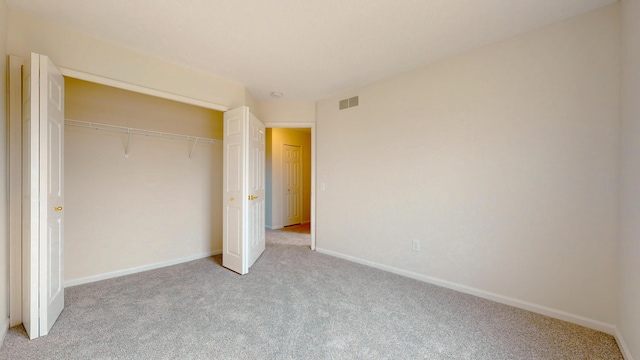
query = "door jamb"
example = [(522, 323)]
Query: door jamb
[(312, 126)]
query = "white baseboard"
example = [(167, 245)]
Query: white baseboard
[(4, 327), (554, 313), (622, 345), (114, 274)]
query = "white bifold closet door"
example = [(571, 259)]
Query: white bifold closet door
[(43, 195), (243, 239)]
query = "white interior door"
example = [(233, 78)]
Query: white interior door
[(243, 233), (257, 191), (43, 195), (292, 192)]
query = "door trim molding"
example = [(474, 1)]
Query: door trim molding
[(312, 126)]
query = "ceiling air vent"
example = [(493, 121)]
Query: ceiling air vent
[(347, 103)]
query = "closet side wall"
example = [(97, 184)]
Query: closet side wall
[(156, 206)]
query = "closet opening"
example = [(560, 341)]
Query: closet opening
[(143, 172), (142, 180)]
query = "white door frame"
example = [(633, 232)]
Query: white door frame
[(15, 162), (312, 126)]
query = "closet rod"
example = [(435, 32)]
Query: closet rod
[(127, 130)]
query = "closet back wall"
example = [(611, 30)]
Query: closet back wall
[(155, 207)]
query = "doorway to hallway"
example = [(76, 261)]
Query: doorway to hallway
[(289, 178)]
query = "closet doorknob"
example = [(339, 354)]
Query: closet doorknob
[(59, 208)]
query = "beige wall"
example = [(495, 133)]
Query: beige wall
[(629, 251), (251, 102), (89, 55), (104, 104), (276, 138), (502, 162), (4, 215), (286, 112), (155, 206)]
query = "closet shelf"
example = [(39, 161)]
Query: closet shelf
[(134, 131)]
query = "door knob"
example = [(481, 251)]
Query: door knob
[(59, 208)]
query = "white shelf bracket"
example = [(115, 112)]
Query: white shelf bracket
[(193, 148), (126, 149)]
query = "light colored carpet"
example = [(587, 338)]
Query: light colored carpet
[(300, 228), (295, 304), (290, 235)]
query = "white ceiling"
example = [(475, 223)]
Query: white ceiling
[(307, 49)]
